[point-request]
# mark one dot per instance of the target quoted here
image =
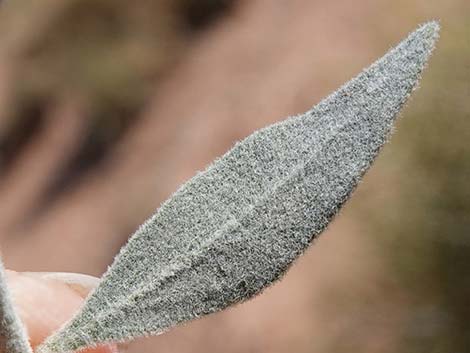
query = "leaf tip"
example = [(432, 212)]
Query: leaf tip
[(429, 33)]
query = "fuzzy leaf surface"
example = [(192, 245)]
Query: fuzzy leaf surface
[(13, 337), (235, 228)]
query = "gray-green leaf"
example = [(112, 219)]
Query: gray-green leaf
[(235, 228), (13, 337)]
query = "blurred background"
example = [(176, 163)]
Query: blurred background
[(106, 107)]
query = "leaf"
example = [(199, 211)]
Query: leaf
[(235, 228), (13, 337)]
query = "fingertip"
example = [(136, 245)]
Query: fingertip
[(80, 283), (45, 301), (43, 305)]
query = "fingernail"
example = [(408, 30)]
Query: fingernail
[(80, 283)]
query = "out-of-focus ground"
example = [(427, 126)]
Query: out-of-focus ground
[(107, 107)]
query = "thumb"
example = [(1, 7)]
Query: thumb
[(45, 301)]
